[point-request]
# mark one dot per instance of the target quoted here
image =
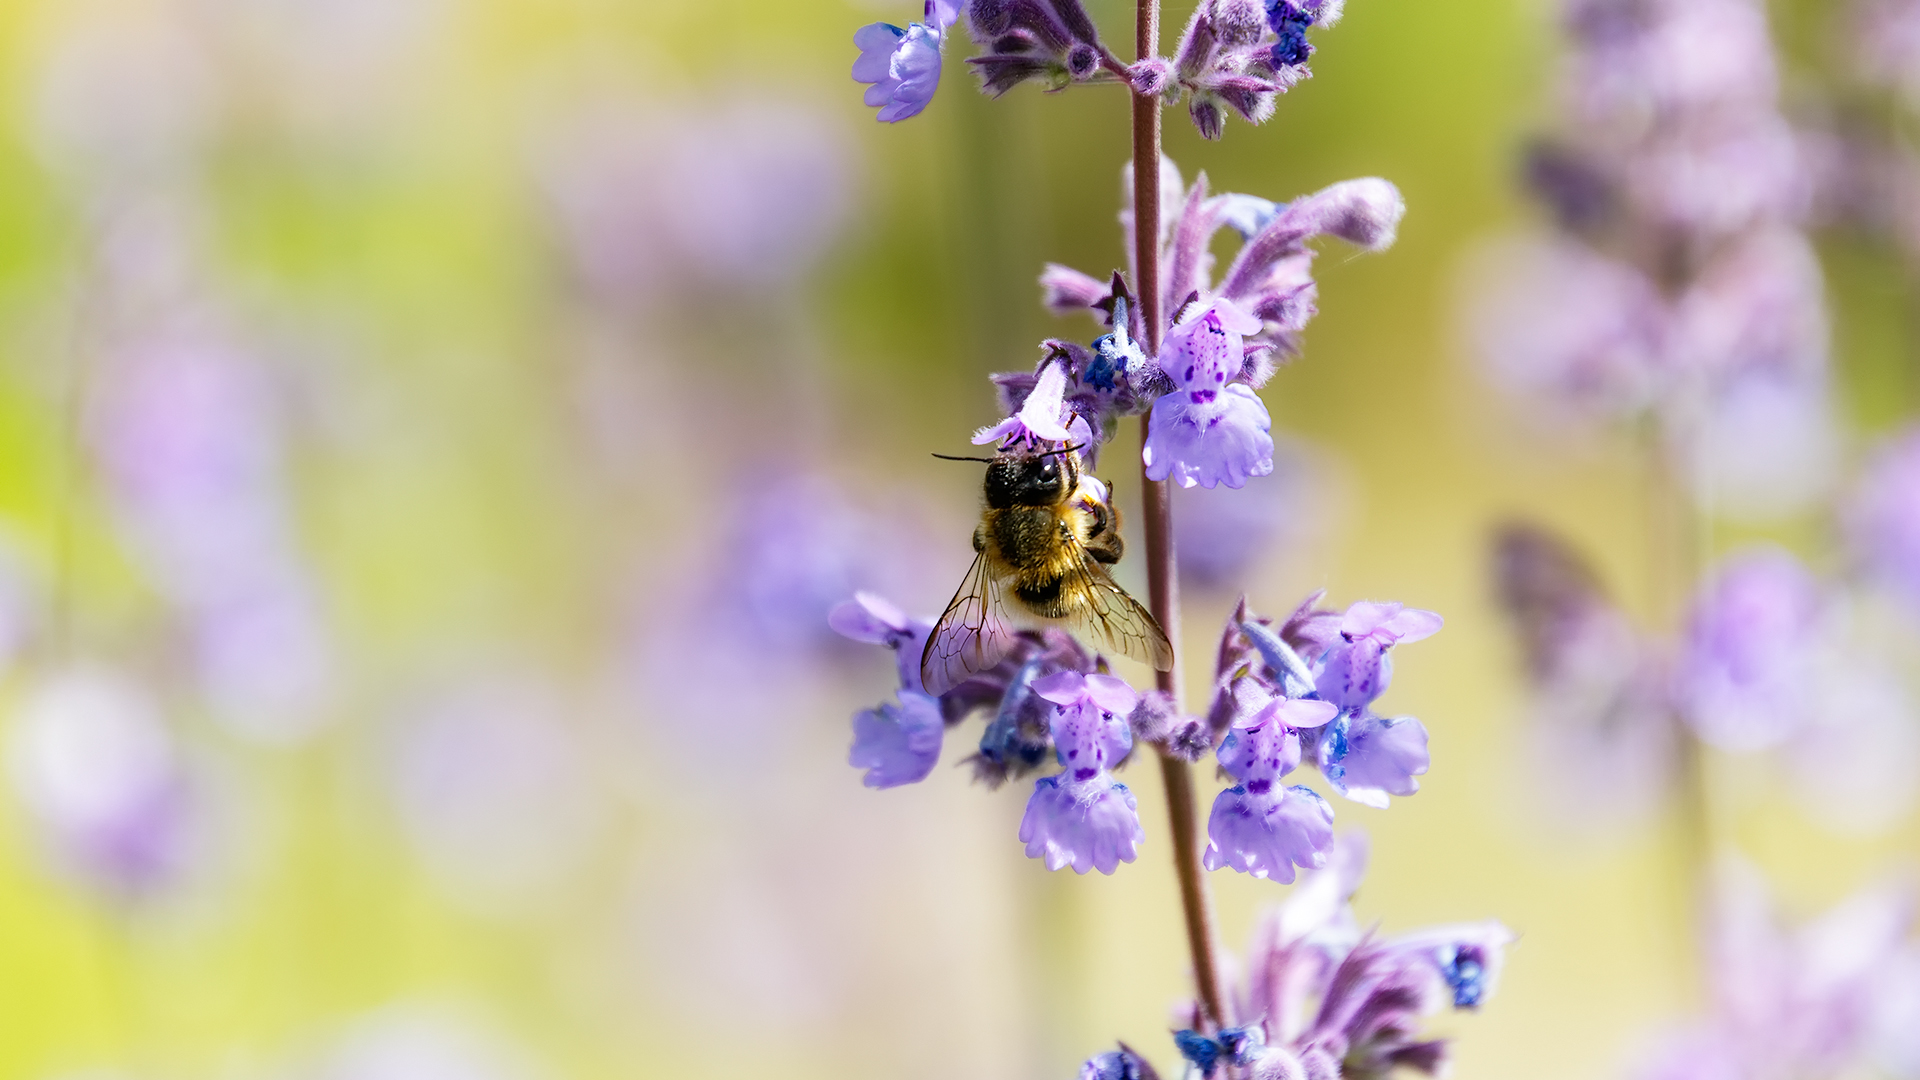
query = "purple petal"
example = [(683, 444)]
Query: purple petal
[(1112, 694), (1307, 713), (1413, 624), (1374, 757), (1261, 752), (1065, 289), (1221, 438), (1090, 826), (1267, 835), (897, 744), (868, 618), (1041, 415)]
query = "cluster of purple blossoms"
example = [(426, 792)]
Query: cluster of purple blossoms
[(1679, 284), (1325, 999), (1765, 661), (1298, 692), (1235, 56), (1836, 996), (100, 773), (1224, 339)]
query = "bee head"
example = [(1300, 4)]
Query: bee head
[(1032, 479)]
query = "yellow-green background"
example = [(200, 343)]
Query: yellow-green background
[(926, 944)]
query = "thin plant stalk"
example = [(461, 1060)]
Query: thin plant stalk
[(1163, 597)]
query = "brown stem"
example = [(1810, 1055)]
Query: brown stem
[(1163, 596)]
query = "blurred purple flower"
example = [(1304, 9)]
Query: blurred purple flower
[(185, 434), (95, 766), (1886, 40), (1746, 673), (1883, 516), (493, 787), (898, 744), (1121, 1064), (1800, 1002), (1081, 817), (903, 65), (649, 205)]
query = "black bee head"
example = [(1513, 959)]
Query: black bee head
[(1031, 479)]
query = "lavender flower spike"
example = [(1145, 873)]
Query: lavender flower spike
[(903, 65), (1208, 431), (898, 744), (1260, 827), (1082, 817)]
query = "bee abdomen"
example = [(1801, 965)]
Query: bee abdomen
[(1043, 595)]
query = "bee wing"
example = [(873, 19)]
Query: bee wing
[(1115, 621), (972, 636)]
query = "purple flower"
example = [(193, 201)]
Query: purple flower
[(1467, 957), (1325, 1000), (1367, 757), (903, 65), (1260, 827), (1883, 516), (1750, 644), (898, 744), (1357, 668), (1090, 825), (1081, 817), (1090, 730), (94, 764), (1041, 418), (1790, 1001), (1266, 834), (877, 621), (1121, 1064), (1208, 431)]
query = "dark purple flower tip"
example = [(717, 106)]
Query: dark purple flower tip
[(903, 67), (1064, 289), (1082, 61), (1266, 834), (898, 744), (988, 19), (1208, 115), (1090, 825), (1151, 77)]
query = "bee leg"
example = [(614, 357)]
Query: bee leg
[(1105, 548), (1103, 540)]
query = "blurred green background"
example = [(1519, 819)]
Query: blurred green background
[(496, 470)]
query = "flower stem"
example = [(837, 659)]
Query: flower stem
[(1163, 597)]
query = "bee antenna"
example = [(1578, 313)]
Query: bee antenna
[(1062, 450), (950, 457)]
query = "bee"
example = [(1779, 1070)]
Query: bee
[(1042, 548)]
